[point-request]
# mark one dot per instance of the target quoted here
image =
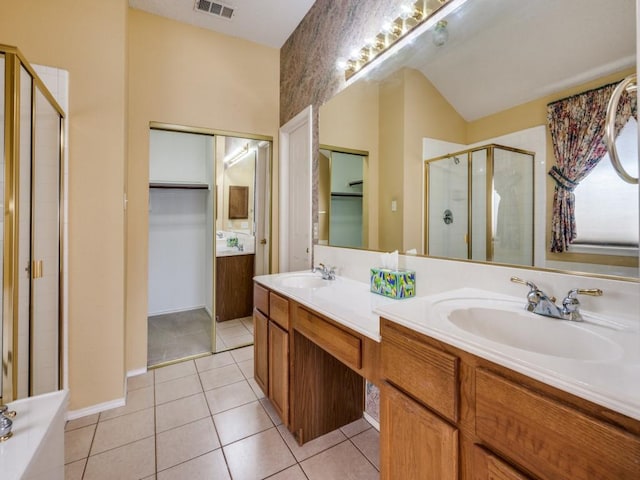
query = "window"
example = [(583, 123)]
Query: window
[(606, 206)]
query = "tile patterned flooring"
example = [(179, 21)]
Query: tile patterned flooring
[(172, 336), (208, 419)]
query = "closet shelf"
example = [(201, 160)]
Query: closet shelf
[(186, 185), (345, 194)]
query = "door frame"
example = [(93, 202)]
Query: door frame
[(304, 119)]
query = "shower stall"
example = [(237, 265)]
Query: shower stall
[(31, 187), (479, 205)]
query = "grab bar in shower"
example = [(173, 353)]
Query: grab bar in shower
[(629, 84)]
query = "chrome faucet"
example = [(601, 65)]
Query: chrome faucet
[(5, 422), (328, 273), (542, 304)]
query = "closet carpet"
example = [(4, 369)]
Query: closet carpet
[(178, 335), (173, 336)]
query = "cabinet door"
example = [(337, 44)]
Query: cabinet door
[(489, 467), (279, 370), (414, 443), (261, 350)]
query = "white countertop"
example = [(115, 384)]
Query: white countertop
[(346, 301), (232, 252), (613, 382)]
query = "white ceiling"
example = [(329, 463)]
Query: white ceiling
[(503, 53), (267, 22)]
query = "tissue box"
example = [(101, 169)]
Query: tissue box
[(393, 283)]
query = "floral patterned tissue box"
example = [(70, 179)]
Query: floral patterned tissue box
[(393, 283)]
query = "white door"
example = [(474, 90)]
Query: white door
[(295, 192), (263, 212)]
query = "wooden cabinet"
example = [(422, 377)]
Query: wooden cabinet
[(310, 367), (489, 467), (342, 344), (271, 348), (261, 350), (279, 370), (492, 422), (548, 438), (426, 373), (234, 279), (416, 444)]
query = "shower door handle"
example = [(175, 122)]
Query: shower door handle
[(36, 269)]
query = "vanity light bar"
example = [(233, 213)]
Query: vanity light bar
[(412, 22), (234, 158)]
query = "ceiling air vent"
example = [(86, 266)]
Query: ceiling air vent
[(214, 8)]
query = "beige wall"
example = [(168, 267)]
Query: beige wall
[(427, 114), (350, 121), (188, 76), (242, 174), (89, 40), (391, 167)]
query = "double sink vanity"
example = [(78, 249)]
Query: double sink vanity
[(472, 385)]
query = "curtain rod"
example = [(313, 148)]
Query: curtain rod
[(583, 93)]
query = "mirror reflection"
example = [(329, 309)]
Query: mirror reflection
[(341, 210), (490, 83), (241, 223), (479, 205)]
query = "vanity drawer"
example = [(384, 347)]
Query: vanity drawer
[(489, 467), (426, 373), (279, 310), (261, 298), (341, 344), (548, 438)]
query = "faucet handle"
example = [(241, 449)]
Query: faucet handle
[(594, 292), (571, 305), (534, 288), (519, 280), (5, 412)]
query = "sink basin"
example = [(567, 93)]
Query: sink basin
[(302, 280), (534, 333)]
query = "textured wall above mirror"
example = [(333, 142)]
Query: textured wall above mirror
[(468, 93)]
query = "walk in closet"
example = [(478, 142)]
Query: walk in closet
[(208, 202)]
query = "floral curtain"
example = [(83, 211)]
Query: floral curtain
[(577, 126)]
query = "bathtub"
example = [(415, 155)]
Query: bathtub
[(36, 449)]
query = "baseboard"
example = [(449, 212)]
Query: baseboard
[(136, 372), (176, 310), (374, 423), (100, 407)]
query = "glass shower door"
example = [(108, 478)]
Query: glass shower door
[(512, 219), (448, 207), (45, 266)]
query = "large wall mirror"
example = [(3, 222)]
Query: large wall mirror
[(486, 90)]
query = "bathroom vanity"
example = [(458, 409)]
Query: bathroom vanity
[(309, 365), (455, 415), (453, 406)]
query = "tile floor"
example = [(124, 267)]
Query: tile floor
[(177, 335), (234, 333), (208, 419)]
